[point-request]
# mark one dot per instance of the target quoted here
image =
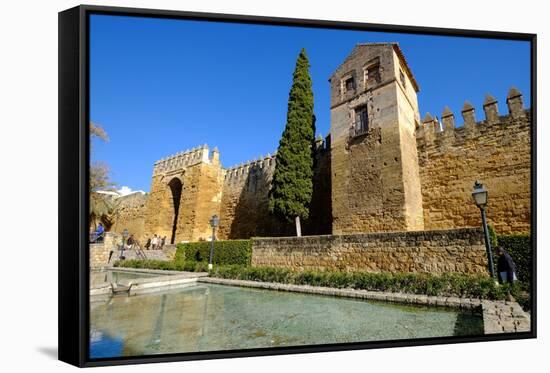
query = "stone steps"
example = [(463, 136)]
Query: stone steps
[(149, 254)]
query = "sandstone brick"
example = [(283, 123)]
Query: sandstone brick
[(332, 253)]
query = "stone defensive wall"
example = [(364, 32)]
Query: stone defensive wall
[(439, 251), (129, 214), (185, 158), (355, 187), (185, 193), (245, 199), (496, 151), (244, 205), (99, 252)]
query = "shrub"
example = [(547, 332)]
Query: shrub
[(228, 252), (190, 266), (148, 264), (449, 284)]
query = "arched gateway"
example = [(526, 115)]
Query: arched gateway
[(175, 187), (185, 193)]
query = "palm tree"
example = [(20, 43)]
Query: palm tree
[(101, 208), (101, 204)]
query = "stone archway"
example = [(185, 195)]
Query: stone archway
[(175, 187)]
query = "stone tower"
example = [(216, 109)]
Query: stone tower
[(186, 191), (374, 114)]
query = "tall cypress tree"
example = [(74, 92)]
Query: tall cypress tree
[(292, 185)]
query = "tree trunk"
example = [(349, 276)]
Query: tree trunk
[(298, 227)]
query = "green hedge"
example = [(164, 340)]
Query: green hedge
[(194, 256), (231, 252), (519, 248), (449, 284), (175, 265)]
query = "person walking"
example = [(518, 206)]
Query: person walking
[(506, 267), (162, 242), (148, 243), (154, 242)]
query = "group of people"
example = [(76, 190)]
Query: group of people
[(155, 243)]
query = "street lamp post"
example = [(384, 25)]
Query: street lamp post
[(480, 198), (214, 222)]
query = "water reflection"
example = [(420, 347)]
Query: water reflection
[(215, 317), (100, 277)]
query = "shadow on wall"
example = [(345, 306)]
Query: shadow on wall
[(251, 213), (320, 211)]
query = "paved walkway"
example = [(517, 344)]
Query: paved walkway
[(504, 317)]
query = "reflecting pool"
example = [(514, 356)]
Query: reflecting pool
[(99, 277), (209, 317)]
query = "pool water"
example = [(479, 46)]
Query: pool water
[(99, 277), (211, 317)]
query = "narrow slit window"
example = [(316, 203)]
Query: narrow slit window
[(372, 76), (349, 84), (361, 120)]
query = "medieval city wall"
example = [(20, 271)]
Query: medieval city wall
[(375, 181), (130, 214), (495, 151), (440, 251), (196, 178), (380, 170), (244, 208), (244, 211), (320, 210)]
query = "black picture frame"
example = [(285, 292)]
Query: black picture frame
[(73, 182)]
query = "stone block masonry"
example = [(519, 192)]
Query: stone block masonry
[(244, 205), (496, 151), (99, 253), (439, 251), (374, 171), (380, 169), (185, 192), (130, 214), (244, 209)]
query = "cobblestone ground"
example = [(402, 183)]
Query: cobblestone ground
[(504, 317)]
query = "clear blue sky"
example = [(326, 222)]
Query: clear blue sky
[(160, 86)]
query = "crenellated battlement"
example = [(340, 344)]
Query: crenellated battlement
[(433, 129), (189, 157), (389, 177), (495, 150), (263, 163), (241, 171)]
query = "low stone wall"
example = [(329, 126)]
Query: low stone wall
[(99, 252), (458, 250)]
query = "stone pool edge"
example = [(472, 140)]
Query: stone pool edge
[(166, 280), (498, 316)]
